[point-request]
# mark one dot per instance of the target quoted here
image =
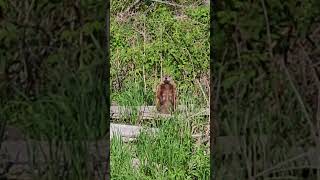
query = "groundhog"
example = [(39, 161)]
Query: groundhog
[(166, 97)]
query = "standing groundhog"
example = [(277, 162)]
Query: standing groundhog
[(166, 97)]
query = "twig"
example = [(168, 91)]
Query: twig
[(216, 100), (314, 73), (28, 11), (281, 164), (200, 112), (144, 54), (268, 27), (169, 3), (203, 93), (296, 92), (132, 6)]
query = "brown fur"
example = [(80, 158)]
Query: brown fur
[(166, 96)]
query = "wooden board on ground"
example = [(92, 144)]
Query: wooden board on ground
[(19, 159), (150, 112), (127, 131), (15, 148), (235, 145), (130, 132)]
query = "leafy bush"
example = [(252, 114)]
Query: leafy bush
[(144, 45)]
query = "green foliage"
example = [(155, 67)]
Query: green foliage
[(144, 45), (255, 97), (170, 154), (69, 114), (120, 161), (163, 40), (58, 46)]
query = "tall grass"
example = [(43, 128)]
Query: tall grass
[(152, 41), (169, 154), (269, 144), (67, 120)]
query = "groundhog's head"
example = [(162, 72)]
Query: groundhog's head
[(167, 79)]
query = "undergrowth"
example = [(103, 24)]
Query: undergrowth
[(169, 154)]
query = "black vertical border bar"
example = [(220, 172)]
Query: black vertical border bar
[(106, 83), (213, 120)]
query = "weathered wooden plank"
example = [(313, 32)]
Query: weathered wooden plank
[(232, 145), (18, 159), (15, 150), (127, 131), (150, 112), (18, 151)]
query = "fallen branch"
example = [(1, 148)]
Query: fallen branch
[(168, 3), (150, 112)]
